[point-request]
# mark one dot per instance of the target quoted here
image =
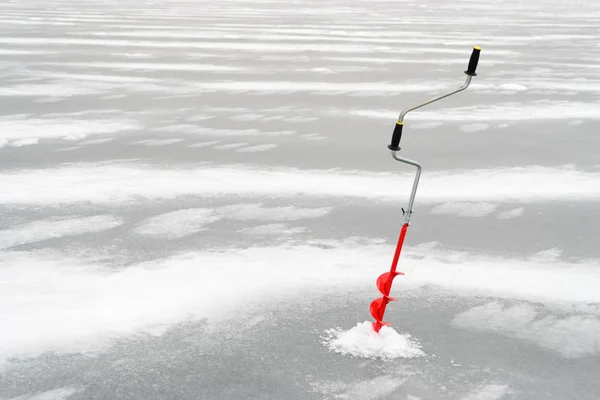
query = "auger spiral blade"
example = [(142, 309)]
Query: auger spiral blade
[(384, 282), (377, 311)]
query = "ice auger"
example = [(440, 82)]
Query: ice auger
[(384, 282)]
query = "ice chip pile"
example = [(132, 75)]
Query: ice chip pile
[(363, 341)]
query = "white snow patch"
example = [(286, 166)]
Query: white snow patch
[(549, 255), (572, 336), (312, 136), (299, 119), (322, 70), (157, 142), (73, 148), (103, 183), (147, 66), (17, 128), (133, 55), (203, 144), (114, 97), (254, 212), (177, 224), (505, 87), (274, 118), (96, 141), (362, 341), (18, 52), (487, 392), (371, 389), (273, 229), (229, 146), (56, 227), (240, 132), (576, 122), (70, 77), (474, 128), (246, 117), (52, 91), (73, 137), (194, 129), (514, 213), (426, 125), (199, 117), (55, 394), (465, 209), (513, 87), (296, 86), (24, 142), (257, 148)]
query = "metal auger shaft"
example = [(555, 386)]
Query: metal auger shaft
[(384, 282)]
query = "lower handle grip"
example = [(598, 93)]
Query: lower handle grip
[(396, 136)]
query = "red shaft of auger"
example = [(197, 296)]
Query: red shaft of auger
[(398, 249), (377, 325)]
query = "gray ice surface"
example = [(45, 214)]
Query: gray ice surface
[(192, 193)]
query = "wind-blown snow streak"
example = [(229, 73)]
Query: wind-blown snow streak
[(539, 110), (572, 336), (181, 223), (514, 213), (258, 212), (377, 388), (257, 148), (278, 230), (80, 304), (296, 86), (465, 209), (177, 224), (487, 392), (148, 66), (265, 47), (157, 142), (14, 128), (114, 183), (53, 228), (55, 394)]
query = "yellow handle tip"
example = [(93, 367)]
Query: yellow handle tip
[(477, 48)]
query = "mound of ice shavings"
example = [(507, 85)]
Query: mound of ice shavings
[(363, 341)]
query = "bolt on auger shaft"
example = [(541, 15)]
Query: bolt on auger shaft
[(384, 282)]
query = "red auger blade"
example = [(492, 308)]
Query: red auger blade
[(378, 308), (377, 325), (377, 311), (384, 282)]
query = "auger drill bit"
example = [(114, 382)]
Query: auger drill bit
[(384, 282)]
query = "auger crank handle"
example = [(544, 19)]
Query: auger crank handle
[(473, 61), (471, 68), (396, 136)]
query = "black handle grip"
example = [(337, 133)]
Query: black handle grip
[(396, 136), (473, 61)]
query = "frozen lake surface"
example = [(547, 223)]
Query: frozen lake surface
[(196, 199)]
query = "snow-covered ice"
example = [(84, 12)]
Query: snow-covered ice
[(177, 224), (196, 200)]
